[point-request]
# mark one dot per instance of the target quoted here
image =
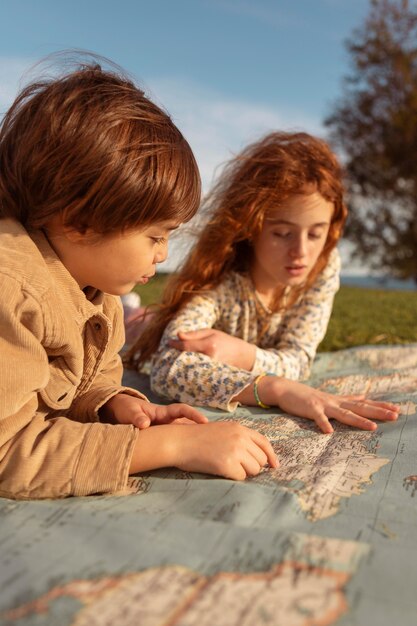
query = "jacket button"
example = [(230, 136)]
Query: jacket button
[(97, 326), (64, 395)]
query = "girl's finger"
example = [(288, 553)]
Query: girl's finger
[(345, 416), (389, 406), (188, 345), (177, 344), (371, 410), (323, 422)]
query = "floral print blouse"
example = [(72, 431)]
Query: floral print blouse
[(286, 348)]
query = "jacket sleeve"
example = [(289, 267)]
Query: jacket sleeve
[(303, 328), (192, 377), (107, 382), (43, 457)]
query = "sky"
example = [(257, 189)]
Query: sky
[(227, 71)]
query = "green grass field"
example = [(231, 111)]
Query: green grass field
[(360, 316)]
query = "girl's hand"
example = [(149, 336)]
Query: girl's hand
[(319, 406), (126, 409), (218, 345), (222, 448)]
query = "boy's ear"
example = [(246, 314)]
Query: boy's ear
[(74, 236), (69, 233)]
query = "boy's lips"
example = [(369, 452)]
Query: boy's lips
[(145, 279)]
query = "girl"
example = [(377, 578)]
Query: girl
[(244, 316), (93, 178)]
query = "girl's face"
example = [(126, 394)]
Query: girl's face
[(291, 241)]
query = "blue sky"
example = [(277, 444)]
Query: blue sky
[(227, 70)]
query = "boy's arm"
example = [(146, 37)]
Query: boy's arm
[(43, 457), (305, 326), (107, 381)]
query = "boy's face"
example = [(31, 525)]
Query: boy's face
[(113, 264)]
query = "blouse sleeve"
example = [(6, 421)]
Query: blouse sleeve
[(303, 328), (192, 377)]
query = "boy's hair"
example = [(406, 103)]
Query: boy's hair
[(91, 147), (254, 183)]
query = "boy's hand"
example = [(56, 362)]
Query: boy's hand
[(126, 409), (217, 345), (222, 448)]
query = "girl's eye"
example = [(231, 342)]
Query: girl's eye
[(283, 235), (159, 240), (315, 235)]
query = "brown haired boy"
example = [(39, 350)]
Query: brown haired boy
[(93, 178)]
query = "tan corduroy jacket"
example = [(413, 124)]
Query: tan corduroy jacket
[(59, 364)]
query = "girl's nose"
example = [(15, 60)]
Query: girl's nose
[(299, 247)]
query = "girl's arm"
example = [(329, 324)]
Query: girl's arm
[(303, 328), (303, 401), (193, 377)]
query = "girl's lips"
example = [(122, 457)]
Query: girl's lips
[(296, 270)]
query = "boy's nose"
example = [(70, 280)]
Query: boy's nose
[(162, 253)]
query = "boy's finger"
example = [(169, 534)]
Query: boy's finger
[(141, 421), (175, 411), (257, 452), (266, 446), (250, 465), (184, 410)]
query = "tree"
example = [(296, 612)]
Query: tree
[(375, 125)]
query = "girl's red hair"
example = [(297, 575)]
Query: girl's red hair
[(256, 181)]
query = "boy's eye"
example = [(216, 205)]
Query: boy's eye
[(159, 240)]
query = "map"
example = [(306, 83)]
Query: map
[(298, 591), (330, 537)]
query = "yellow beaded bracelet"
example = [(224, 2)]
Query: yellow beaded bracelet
[(255, 391)]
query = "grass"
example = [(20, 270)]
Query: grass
[(371, 316), (360, 316)]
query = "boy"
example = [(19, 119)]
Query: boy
[(93, 178)]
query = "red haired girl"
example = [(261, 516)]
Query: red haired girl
[(255, 294)]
